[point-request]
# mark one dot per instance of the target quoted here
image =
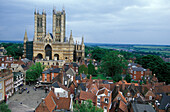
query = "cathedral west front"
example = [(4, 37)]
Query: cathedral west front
[(55, 45)]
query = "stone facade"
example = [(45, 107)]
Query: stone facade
[(54, 46)]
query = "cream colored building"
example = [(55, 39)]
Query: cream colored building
[(2, 94), (53, 46)]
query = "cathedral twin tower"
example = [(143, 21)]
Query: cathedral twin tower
[(52, 46)]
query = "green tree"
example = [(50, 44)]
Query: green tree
[(157, 66), (98, 53), (86, 106), (128, 78), (91, 68), (4, 108), (15, 50), (34, 71), (112, 64), (83, 69)]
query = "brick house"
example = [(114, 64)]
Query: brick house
[(137, 72), (50, 74)]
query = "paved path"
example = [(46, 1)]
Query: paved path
[(26, 102)]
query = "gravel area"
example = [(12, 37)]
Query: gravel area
[(26, 102)]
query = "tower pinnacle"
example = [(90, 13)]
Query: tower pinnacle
[(25, 36)]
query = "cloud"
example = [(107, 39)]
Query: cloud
[(111, 21)]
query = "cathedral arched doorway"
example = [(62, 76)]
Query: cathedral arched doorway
[(56, 57), (48, 52), (39, 56)]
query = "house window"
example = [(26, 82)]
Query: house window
[(2, 59), (131, 76), (150, 97), (0, 96), (45, 77), (106, 100), (131, 71), (0, 85), (105, 109), (52, 75), (2, 64), (141, 72), (134, 77), (141, 77), (65, 82), (128, 94), (98, 100), (138, 94), (134, 72)]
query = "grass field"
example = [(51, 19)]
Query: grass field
[(162, 50), (101, 76)]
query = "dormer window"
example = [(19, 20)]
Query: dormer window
[(106, 100), (141, 72), (134, 72)]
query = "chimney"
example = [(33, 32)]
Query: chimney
[(123, 86), (20, 58), (90, 77), (81, 76)]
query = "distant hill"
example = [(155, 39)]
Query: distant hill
[(7, 41)]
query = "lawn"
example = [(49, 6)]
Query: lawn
[(101, 76)]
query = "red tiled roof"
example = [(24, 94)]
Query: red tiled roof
[(93, 89), (103, 91), (63, 103), (87, 95), (49, 101), (122, 97), (123, 106), (52, 102)]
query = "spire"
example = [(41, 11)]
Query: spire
[(43, 11), (63, 8), (71, 34), (71, 38), (82, 42), (25, 36), (35, 11)]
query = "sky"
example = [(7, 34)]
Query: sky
[(99, 21)]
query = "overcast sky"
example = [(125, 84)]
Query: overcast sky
[(100, 21)]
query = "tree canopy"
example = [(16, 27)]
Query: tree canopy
[(4, 108), (86, 106), (157, 66), (15, 50), (83, 69), (98, 53), (113, 64), (128, 78), (34, 71), (91, 68)]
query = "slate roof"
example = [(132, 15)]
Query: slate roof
[(71, 72), (83, 76), (82, 86), (52, 70), (59, 85), (138, 69), (75, 64), (142, 108), (164, 101), (78, 77)]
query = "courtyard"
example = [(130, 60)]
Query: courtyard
[(26, 102)]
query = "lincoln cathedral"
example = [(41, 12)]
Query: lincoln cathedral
[(55, 45)]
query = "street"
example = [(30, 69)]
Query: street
[(26, 102)]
